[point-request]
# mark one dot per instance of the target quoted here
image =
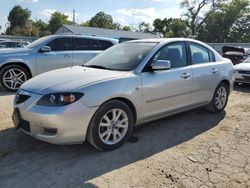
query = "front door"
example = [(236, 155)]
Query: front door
[(167, 90), (59, 57)]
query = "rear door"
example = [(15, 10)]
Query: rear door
[(59, 57), (84, 49), (205, 73), (167, 90)]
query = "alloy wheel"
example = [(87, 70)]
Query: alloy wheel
[(113, 126), (14, 78), (221, 98)]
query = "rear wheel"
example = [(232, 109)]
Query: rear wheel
[(111, 125), (12, 77), (220, 98)]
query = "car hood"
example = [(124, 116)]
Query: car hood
[(14, 51), (68, 79), (242, 66)]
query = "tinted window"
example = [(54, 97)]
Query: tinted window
[(199, 54), (101, 44), (60, 44), (211, 56), (175, 53), (82, 44), (105, 44)]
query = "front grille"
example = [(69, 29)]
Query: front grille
[(21, 98), (244, 72)]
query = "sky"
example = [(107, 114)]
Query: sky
[(125, 12)]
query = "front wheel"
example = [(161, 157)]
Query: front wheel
[(12, 77), (110, 126), (220, 98)]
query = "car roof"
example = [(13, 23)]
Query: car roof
[(160, 40), (85, 36)]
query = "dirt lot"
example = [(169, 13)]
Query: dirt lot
[(192, 149)]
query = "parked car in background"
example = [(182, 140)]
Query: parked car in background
[(129, 84), (242, 72), (10, 44), (48, 53), (235, 54)]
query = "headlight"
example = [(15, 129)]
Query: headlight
[(59, 99)]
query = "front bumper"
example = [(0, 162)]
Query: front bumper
[(241, 78), (58, 125)]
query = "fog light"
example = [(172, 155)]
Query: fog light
[(50, 131)]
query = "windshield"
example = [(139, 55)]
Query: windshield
[(37, 42), (122, 57)]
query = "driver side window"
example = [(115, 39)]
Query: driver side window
[(60, 44), (175, 53)]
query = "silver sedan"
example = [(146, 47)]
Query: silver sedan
[(127, 85)]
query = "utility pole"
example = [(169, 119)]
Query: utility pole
[(30, 28), (74, 18)]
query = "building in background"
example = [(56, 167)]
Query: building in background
[(100, 32)]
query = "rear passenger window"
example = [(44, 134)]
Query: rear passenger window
[(60, 44), (175, 53), (105, 44), (199, 54), (211, 56), (82, 44), (101, 44)]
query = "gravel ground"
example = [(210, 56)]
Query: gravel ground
[(191, 149)]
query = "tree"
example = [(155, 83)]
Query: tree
[(18, 18), (240, 31), (127, 28), (117, 26), (40, 28), (172, 27), (57, 19), (102, 20), (198, 11), (229, 23), (144, 27)]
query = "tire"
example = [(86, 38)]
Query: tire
[(219, 101), (12, 77), (102, 136)]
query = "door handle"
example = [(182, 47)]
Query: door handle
[(214, 70), (185, 75)]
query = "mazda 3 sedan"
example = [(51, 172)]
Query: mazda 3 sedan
[(127, 85)]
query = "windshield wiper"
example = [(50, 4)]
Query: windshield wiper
[(97, 66)]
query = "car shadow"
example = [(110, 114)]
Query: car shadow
[(28, 162), (5, 93), (244, 88)]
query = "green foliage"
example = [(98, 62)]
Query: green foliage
[(18, 18), (228, 24), (102, 20), (172, 27), (40, 28), (198, 11), (127, 28), (57, 19), (144, 27)]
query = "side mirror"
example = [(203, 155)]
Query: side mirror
[(161, 65), (45, 49)]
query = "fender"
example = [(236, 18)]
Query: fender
[(16, 61)]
